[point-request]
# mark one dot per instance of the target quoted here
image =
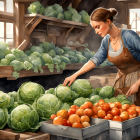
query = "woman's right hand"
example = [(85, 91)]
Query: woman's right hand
[(69, 80)]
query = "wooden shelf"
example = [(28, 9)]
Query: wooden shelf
[(29, 73), (8, 134), (54, 19), (6, 71)]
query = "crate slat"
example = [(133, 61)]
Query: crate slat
[(8, 134), (5, 135), (6, 67), (40, 137)]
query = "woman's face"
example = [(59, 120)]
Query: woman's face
[(101, 28)]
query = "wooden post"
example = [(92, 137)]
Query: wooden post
[(21, 34)]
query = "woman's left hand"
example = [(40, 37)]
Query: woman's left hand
[(133, 89)]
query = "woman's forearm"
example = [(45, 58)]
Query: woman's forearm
[(88, 66), (138, 82)]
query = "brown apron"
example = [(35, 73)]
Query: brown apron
[(126, 64)]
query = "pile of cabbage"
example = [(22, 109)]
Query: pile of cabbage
[(46, 54), (25, 109), (16, 108), (57, 11)]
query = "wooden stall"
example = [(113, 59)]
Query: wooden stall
[(31, 29)]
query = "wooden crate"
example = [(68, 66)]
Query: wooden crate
[(8, 134), (105, 79)]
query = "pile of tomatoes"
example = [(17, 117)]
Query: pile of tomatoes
[(79, 117), (115, 111)]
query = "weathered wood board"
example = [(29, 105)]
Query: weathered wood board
[(8, 134)]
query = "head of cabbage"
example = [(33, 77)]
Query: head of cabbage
[(3, 117), (23, 118), (6, 100), (80, 101), (82, 87), (64, 93), (46, 105), (107, 92), (28, 92)]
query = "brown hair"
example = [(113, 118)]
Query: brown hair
[(102, 14)]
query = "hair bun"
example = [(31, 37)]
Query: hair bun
[(113, 11)]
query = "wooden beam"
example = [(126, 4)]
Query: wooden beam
[(43, 17), (16, 16), (133, 6), (76, 3), (129, 1), (23, 45), (24, 0), (44, 2), (68, 32), (29, 22), (63, 25), (30, 27), (66, 4), (62, 2), (6, 17), (84, 34)]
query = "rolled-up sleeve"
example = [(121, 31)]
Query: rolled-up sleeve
[(132, 40), (101, 54)]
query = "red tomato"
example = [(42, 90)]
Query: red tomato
[(133, 105), (112, 105), (101, 114), (69, 124), (125, 107), (105, 118), (82, 107), (115, 112), (101, 102), (94, 116), (132, 112), (94, 109), (65, 122), (96, 104), (105, 106), (88, 112), (138, 109), (52, 116), (117, 118), (109, 116), (119, 105), (124, 116), (99, 108), (108, 112), (71, 111), (74, 107), (121, 111), (88, 105)]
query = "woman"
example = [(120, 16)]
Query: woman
[(119, 46)]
